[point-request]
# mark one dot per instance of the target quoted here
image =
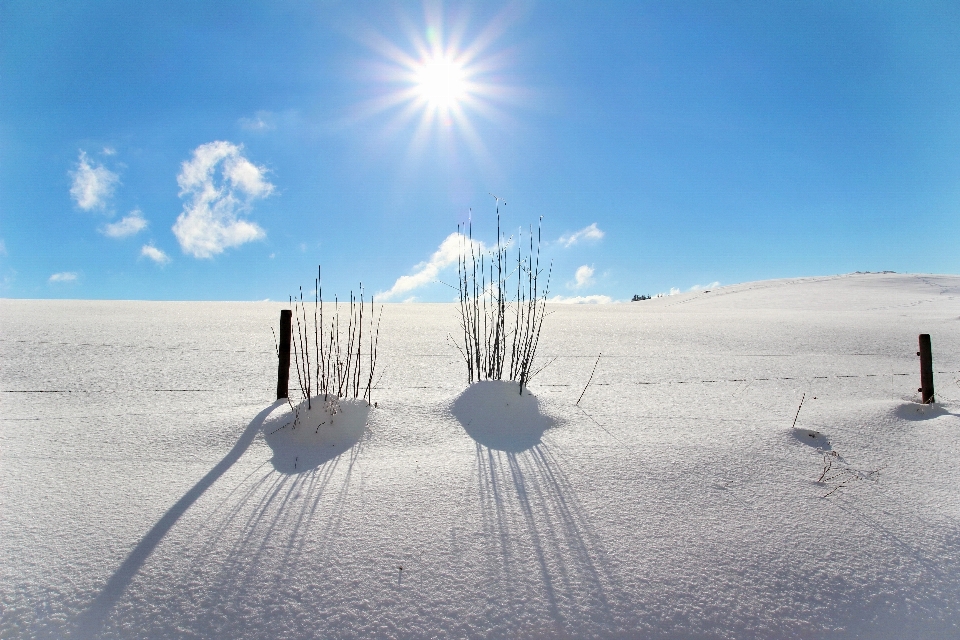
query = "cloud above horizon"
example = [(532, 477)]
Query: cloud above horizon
[(427, 272), (674, 291), (591, 233), (712, 285), (157, 255), (93, 184), (63, 276), (219, 185), (129, 225), (582, 278), (594, 299)]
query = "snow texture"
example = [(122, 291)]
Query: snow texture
[(307, 435), (146, 491)]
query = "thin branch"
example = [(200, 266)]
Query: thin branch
[(589, 380)]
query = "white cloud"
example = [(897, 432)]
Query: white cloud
[(128, 226), (673, 291), (595, 299), (109, 151), (591, 233), (220, 184), (697, 287), (427, 272), (93, 184), (582, 278), (63, 276), (157, 255)]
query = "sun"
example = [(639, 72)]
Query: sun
[(441, 82)]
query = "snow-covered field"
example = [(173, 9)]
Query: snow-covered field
[(139, 495)]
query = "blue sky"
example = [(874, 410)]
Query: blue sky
[(221, 151)]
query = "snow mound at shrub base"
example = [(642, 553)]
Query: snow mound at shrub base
[(307, 436), (495, 414), (812, 438)]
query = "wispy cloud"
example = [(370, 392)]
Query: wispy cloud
[(127, 226), (3, 248), (591, 233), (63, 276), (261, 121), (93, 184), (582, 278), (157, 255), (698, 287), (426, 272), (673, 291), (595, 299), (219, 185)]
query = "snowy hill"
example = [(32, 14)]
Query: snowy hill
[(143, 492)]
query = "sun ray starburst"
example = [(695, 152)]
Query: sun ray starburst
[(439, 82)]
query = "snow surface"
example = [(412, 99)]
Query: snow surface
[(305, 436), (147, 493)]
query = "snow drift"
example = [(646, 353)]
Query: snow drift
[(144, 492)]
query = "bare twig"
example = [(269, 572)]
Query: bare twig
[(589, 380), (835, 470), (798, 409)]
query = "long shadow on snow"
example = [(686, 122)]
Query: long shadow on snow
[(562, 545), (932, 593), (91, 621), (273, 517), (250, 544), (518, 474)]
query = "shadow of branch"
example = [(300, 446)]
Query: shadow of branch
[(91, 621)]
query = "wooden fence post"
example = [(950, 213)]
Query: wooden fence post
[(283, 372), (926, 369)]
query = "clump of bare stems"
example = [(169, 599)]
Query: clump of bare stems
[(334, 363), (838, 474), (493, 323)]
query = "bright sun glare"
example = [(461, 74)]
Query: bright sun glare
[(441, 82)]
